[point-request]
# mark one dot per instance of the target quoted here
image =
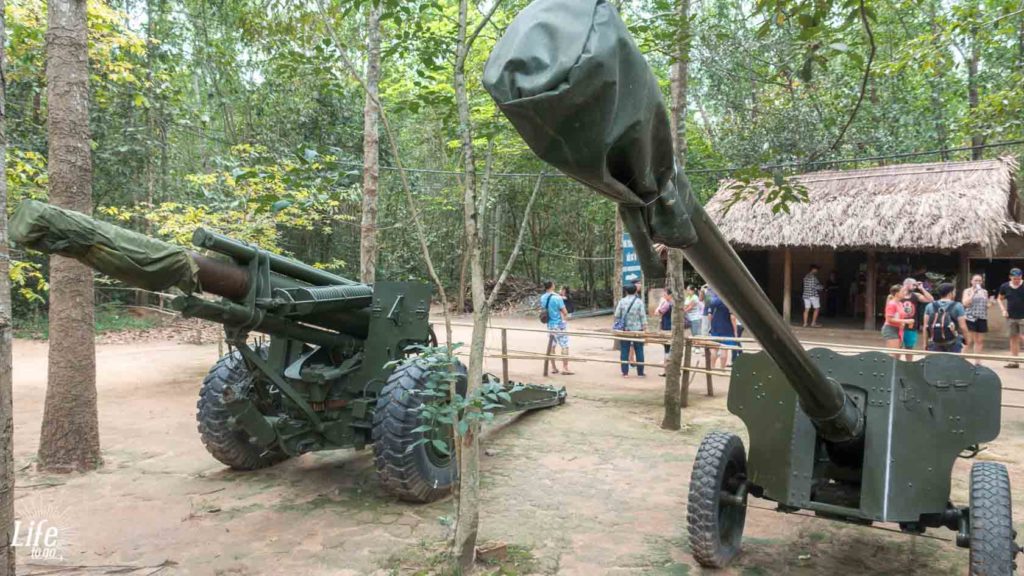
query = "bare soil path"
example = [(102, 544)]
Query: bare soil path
[(593, 487)]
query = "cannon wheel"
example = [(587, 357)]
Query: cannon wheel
[(225, 442), (715, 525), (422, 474), (991, 521)]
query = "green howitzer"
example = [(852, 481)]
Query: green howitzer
[(324, 381), (858, 438)]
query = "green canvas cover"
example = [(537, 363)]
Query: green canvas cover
[(570, 79), (130, 257)]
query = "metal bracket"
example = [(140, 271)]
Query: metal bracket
[(283, 385)]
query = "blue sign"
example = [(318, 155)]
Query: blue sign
[(630, 264)]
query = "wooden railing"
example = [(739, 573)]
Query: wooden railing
[(689, 371)]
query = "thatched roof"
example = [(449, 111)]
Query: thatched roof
[(937, 206)]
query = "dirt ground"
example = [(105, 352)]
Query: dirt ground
[(592, 487)]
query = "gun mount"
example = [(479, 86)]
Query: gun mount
[(322, 382), (863, 438)]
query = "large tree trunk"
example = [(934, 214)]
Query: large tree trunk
[(371, 150), (6, 402), (70, 438), (680, 77)]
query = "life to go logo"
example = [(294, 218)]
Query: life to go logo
[(41, 531)]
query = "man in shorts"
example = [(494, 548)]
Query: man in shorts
[(812, 296), (1011, 302), (554, 304)]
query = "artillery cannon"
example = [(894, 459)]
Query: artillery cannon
[(862, 438), (323, 381)]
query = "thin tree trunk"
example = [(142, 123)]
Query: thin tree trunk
[(941, 130), (496, 242), (673, 417), (673, 364), (70, 431), (468, 520), (6, 392), (371, 150), (977, 139), (680, 76)]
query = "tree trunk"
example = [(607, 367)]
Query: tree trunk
[(6, 392), (496, 242), (935, 79), (70, 432), (977, 139), (673, 365), (371, 150), (468, 519), (680, 76), (672, 419)]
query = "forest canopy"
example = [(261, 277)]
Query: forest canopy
[(240, 116)]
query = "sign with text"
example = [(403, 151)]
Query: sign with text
[(630, 264)]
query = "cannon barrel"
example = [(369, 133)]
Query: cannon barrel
[(296, 292), (243, 252), (568, 76)]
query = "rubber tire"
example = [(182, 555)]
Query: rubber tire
[(992, 548), (709, 546), (225, 442), (411, 475)]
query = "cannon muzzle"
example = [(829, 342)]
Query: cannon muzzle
[(570, 79)]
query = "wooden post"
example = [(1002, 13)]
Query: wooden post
[(504, 356), (684, 383), (707, 361), (551, 350), (963, 279), (870, 289), (787, 286)]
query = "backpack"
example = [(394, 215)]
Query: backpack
[(943, 328), (544, 316)]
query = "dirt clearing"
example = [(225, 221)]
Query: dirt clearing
[(592, 487)]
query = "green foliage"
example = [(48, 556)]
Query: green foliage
[(253, 197), (109, 318), (443, 407), (240, 117)]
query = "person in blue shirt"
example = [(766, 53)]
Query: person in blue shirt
[(722, 324), (557, 327)]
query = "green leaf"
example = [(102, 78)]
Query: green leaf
[(441, 446)]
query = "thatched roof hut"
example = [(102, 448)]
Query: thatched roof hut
[(909, 207)]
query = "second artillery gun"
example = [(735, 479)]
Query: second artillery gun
[(861, 438), (322, 382)]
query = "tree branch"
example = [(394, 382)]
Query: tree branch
[(864, 80), (518, 245), (479, 28)]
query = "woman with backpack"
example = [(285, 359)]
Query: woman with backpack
[(945, 321), (976, 303)]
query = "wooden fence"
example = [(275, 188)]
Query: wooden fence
[(694, 347)]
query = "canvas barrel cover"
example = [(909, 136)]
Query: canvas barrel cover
[(570, 79), (130, 257)]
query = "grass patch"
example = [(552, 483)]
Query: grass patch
[(431, 559), (108, 319)]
